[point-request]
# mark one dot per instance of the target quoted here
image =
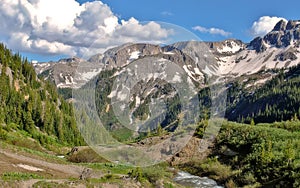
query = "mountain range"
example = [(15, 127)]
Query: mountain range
[(229, 58), (150, 71)]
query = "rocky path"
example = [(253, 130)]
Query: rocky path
[(53, 172)]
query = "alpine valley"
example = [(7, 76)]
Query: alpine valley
[(250, 89), (263, 65)]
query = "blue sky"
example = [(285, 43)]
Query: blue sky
[(51, 29), (235, 16)]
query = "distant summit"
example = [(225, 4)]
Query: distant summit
[(284, 34)]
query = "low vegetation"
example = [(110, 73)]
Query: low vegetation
[(10, 176), (245, 154)]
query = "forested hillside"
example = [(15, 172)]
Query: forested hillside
[(33, 105), (277, 100)]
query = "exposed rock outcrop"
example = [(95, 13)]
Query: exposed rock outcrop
[(287, 55)]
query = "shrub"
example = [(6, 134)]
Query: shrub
[(86, 155), (3, 134)]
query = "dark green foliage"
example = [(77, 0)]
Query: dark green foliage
[(205, 102), (277, 100), (151, 173), (33, 104), (65, 92), (263, 154), (142, 111), (173, 109), (209, 167)]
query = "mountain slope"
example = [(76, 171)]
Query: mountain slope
[(150, 81), (277, 49), (64, 73), (33, 105), (277, 100)]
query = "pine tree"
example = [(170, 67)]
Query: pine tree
[(159, 130), (28, 122), (252, 122)]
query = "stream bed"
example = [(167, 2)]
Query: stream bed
[(189, 180)]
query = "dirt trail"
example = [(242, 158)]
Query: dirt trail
[(53, 172), (14, 159)]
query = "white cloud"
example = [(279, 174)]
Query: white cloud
[(264, 25), (66, 27), (213, 31)]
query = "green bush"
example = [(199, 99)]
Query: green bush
[(86, 155), (150, 174), (210, 167), (3, 134), (266, 154)]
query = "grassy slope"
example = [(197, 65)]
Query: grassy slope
[(18, 148)]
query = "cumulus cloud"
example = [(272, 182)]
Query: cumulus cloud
[(264, 25), (66, 27), (212, 31)]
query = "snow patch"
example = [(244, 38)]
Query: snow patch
[(134, 55), (169, 53), (121, 96), (30, 168), (208, 71), (188, 71), (122, 107), (232, 49), (137, 101), (112, 94), (162, 60), (197, 71), (89, 75), (176, 78)]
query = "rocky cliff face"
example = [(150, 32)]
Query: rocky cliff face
[(284, 34), (74, 72), (64, 73), (227, 47), (123, 55), (277, 49)]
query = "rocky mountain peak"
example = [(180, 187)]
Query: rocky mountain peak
[(280, 26), (283, 35), (227, 47), (121, 56), (258, 45), (70, 60), (96, 58), (293, 24)]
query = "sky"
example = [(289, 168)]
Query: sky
[(45, 30)]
